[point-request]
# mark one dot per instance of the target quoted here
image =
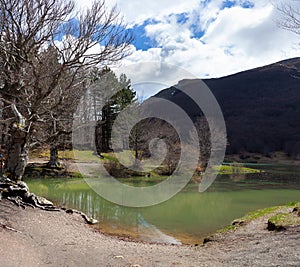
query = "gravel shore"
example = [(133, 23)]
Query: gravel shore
[(33, 237)]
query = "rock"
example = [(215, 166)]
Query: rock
[(273, 227), (238, 222), (93, 221), (69, 211), (118, 257), (88, 219), (44, 201), (296, 210), (208, 239)]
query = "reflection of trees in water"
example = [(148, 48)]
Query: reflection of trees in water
[(117, 217), (237, 172), (95, 206)]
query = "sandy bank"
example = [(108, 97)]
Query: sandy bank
[(60, 239)]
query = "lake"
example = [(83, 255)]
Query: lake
[(189, 216)]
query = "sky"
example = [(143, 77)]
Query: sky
[(206, 38)]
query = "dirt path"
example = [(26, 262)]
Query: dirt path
[(60, 239)]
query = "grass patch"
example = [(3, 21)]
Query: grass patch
[(259, 213), (237, 168), (281, 221), (85, 156), (81, 155), (118, 170), (293, 204), (277, 217), (109, 157), (43, 171), (226, 229), (280, 218)]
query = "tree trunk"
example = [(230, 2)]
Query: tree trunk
[(136, 153), (98, 139), (17, 152), (53, 162)]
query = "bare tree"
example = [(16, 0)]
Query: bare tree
[(290, 15), (54, 127), (205, 131), (46, 48)]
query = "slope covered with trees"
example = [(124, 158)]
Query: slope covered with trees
[(261, 107)]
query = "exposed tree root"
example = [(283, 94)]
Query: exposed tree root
[(83, 215), (9, 228), (18, 193)]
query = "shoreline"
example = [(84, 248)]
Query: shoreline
[(128, 233), (41, 238)]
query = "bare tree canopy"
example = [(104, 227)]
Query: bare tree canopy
[(290, 11), (46, 49), (27, 26)]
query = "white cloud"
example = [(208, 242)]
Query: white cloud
[(83, 3), (235, 38), (147, 78), (137, 11), (251, 36)]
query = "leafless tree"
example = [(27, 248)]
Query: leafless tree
[(205, 132), (290, 12), (46, 48)]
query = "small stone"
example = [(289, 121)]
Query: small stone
[(273, 227), (88, 219), (69, 211), (208, 239), (93, 221), (238, 222), (119, 257), (44, 201), (135, 265), (296, 210)]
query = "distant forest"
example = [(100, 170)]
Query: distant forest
[(261, 108)]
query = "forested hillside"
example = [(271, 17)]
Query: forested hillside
[(261, 107)]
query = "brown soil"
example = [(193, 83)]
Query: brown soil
[(34, 237)]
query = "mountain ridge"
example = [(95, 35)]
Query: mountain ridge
[(261, 107)]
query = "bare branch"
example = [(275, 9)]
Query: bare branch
[(290, 16), (47, 48)]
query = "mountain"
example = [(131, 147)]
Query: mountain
[(261, 107)]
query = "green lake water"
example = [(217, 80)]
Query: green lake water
[(187, 217)]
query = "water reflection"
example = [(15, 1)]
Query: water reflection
[(117, 218), (187, 217)]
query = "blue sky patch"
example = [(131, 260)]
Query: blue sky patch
[(248, 4), (144, 42), (232, 3), (197, 33), (141, 40), (61, 31), (182, 18), (196, 29), (228, 4)]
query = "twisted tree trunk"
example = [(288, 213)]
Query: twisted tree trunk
[(53, 161), (17, 146), (17, 152)]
